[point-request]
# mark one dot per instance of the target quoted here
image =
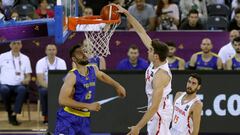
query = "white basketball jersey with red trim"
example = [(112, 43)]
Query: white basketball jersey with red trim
[(150, 72), (182, 123)]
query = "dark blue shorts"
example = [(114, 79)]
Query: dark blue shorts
[(70, 124)]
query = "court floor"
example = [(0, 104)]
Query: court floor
[(34, 125)]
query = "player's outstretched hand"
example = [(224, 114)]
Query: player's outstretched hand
[(120, 8), (121, 91), (94, 106), (134, 131)]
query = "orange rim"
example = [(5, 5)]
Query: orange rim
[(74, 21), (91, 20)]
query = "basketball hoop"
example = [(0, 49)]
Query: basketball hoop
[(98, 37)]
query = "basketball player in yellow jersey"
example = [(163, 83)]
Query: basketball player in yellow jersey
[(158, 84), (77, 95), (187, 109)]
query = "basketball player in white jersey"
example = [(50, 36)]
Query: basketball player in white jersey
[(187, 109), (158, 84)]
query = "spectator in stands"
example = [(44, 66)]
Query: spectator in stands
[(144, 13), (15, 69), (15, 16), (133, 62), (205, 60), (227, 51), (235, 22), (234, 63), (167, 15), (235, 4), (199, 5), (99, 61), (43, 11), (87, 11), (192, 22), (49, 62), (174, 62)]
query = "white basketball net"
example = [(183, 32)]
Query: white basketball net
[(99, 40)]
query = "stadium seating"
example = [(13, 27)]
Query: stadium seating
[(217, 23), (218, 10)]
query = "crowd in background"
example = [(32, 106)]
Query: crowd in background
[(154, 15)]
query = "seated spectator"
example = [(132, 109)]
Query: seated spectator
[(235, 22), (43, 11), (234, 5), (15, 69), (133, 62), (199, 5), (144, 13), (15, 16), (49, 62), (167, 15), (87, 11), (205, 60), (234, 63), (174, 62), (192, 22), (227, 51)]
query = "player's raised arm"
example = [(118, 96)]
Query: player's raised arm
[(137, 26)]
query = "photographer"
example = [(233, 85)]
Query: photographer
[(167, 15)]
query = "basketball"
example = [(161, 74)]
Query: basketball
[(109, 13)]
